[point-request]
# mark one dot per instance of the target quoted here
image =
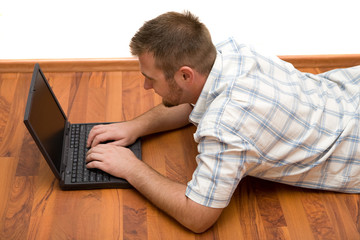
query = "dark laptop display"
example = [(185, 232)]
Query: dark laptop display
[(62, 144)]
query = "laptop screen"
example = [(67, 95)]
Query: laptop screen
[(46, 118)]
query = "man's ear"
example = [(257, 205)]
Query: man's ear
[(185, 75)]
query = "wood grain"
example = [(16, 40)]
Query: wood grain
[(7, 178), (17, 217), (33, 207)]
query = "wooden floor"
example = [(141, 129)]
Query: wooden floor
[(33, 207)]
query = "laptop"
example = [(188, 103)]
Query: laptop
[(62, 144)]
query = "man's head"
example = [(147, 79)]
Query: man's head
[(175, 40), (169, 90)]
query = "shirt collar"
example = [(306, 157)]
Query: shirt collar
[(213, 85), (206, 97)]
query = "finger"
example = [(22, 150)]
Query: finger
[(100, 149), (93, 133), (119, 143), (101, 137), (94, 155), (94, 164)]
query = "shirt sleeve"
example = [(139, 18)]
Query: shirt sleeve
[(219, 171)]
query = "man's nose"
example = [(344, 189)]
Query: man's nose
[(147, 84)]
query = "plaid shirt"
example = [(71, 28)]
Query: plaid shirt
[(261, 117)]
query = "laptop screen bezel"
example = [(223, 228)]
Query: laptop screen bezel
[(37, 70)]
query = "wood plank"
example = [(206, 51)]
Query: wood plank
[(85, 215), (352, 202), (340, 215), (228, 224), (61, 84), (29, 161), (272, 215), (294, 213), (96, 99), (14, 129), (161, 226), (77, 107), (248, 212), (180, 171), (42, 212), (114, 103), (135, 216), (135, 102), (7, 90), (7, 176), (317, 216), (16, 219)]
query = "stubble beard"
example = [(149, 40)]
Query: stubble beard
[(173, 99)]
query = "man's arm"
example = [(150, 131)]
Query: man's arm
[(158, 119), (170, 197), (161, 118), (161, 191)]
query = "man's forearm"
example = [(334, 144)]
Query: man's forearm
[(161, 118), (170, 197)]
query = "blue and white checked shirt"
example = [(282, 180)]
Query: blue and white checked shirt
[(261, 117)]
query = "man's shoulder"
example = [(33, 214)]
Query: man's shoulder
[(231, 45)]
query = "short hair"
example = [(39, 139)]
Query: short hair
[(176, 40)]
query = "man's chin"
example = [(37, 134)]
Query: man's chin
[(169, 104)]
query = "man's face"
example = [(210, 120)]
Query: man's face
[(169, 90)]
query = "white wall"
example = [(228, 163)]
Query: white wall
[(103, 28)]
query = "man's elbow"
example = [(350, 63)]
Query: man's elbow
[(200, 228), (201, 223)]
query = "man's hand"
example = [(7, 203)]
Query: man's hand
[(112, 159), (122, 134), (158, 119)]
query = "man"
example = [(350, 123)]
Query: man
[(255, 116)]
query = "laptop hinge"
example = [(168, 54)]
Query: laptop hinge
[(65, 147), (67, 128)]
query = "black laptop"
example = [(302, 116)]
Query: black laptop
[(63, 144)]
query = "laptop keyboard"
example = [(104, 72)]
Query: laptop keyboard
[(80, 173)]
